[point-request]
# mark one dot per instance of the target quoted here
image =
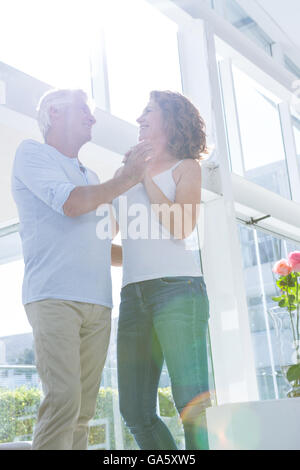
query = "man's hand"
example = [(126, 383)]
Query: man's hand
[(87, 198), (136, 161)]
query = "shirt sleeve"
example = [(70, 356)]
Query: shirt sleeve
[(41, 174)]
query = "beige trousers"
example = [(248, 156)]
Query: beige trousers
[(71, 342)]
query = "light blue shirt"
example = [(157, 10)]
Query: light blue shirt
[(63, 257)]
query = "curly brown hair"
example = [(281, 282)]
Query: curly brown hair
[(184, 126)]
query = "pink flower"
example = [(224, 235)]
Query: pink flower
[(294, 261), (282, 268)]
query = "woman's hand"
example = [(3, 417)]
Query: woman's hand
[(142, 149), (136, 160)]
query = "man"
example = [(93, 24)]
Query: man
[(67, 283)]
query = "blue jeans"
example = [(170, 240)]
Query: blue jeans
[(164, 319)]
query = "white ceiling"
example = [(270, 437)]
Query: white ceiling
[(286, 13)]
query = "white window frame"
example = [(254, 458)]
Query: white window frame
[(273, 30)]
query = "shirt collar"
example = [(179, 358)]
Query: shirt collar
[(73, 160)]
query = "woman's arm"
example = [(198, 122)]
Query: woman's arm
[(116, 255), (116, 250), (178, 217), (115, 224)]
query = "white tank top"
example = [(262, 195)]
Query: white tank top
[(149, 251)]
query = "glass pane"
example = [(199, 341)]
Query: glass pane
[(240, 19), (261, 136), (296, 127), (142, 55), (11, 137), (14, 321), (291, 66), (260, 251), (52, 40), (19, 382)]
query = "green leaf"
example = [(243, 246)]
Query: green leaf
[(282, 303), (281, 283), (293, 373), (276, 299), (291, 298)]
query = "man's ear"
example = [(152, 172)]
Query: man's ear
[(54, 113)]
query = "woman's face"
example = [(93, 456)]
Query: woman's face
[(152, 124)]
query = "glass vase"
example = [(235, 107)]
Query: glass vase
[(287, 338)]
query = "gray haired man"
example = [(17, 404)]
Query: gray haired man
[(67, 282)]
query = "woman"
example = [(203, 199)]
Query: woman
[(164, 307)]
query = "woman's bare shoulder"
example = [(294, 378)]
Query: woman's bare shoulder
[(187, 166)]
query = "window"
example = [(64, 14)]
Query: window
[(49, 40), (260, 252), (13, 319), (296, 127), (261, 142), (291, 66), (141, 54), (270, 248), (17, 369), (240, 19)]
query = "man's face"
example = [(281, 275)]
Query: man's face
[(78, 120)]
